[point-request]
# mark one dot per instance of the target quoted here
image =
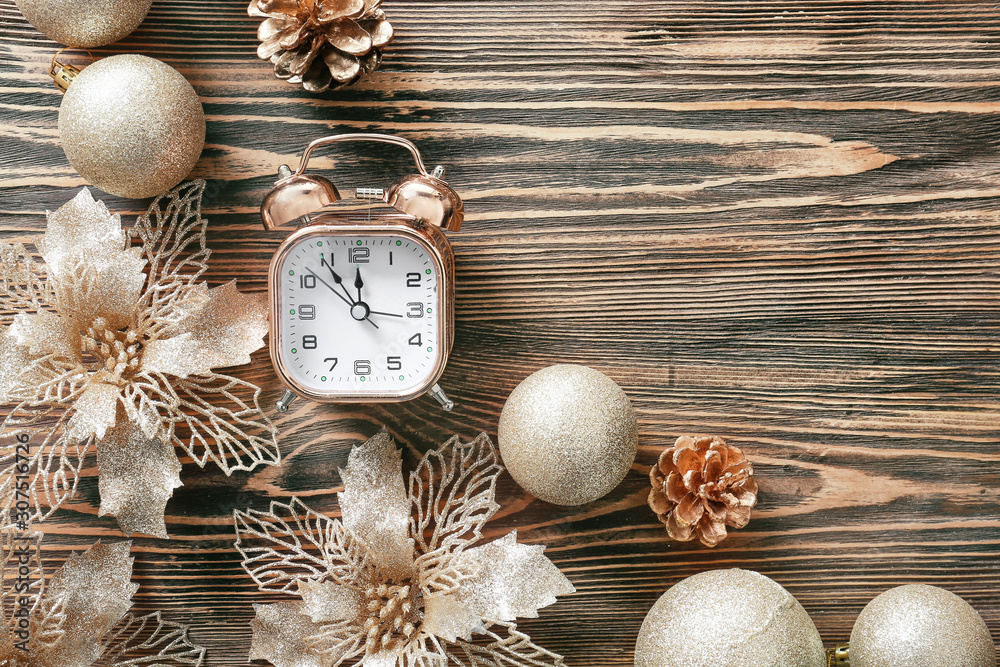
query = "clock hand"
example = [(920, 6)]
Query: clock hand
[(358, 283), (337, 279), (375, 312), (349, 303)]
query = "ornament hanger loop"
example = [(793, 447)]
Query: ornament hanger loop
[(384, 138)]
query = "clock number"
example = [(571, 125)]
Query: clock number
[(413, 280), (309, 342), (362, 367), (334, 360), (415, 340), (357, 255), (307, 312), (393, 363), (416, 309), (390, 258), (307, 281)]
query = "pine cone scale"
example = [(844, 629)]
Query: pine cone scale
[(701, 485), (341, 67), (350, 38)]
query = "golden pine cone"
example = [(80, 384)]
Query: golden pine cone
[(321, 44), (700, 486)]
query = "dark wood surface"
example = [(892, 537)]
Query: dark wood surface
[(771, 221)]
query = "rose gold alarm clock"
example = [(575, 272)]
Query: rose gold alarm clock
[(362, 302)]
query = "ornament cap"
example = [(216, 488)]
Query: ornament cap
[(63, 74), (839, 656)]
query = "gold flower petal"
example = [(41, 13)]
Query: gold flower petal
[(95, 591), (328, 601), (102, 285), (94, 412), (349, 37), (78, 228), (44, 333), (380, 659), (14, 360), (281, 635), (449, 619), (138, 477), (375, 506), (343, 68), (23, 283), (136, 635), (516, 580), (179, 356), (220, 415)]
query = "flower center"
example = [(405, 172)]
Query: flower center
[(394, 614), (116, 350)]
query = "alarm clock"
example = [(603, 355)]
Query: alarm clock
[(362, 300)]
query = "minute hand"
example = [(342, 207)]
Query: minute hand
[(311, 272), (337, 279)]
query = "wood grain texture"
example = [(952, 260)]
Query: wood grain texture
[(773, 221)]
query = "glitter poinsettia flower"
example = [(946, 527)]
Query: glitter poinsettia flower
[(700, 486), (401, 578), (80, 618), (321, 43), (112, 348)]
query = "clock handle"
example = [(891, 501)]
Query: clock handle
[(384, 138)]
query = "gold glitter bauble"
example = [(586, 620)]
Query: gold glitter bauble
[(132, 126), (568, 434), (86, 23), (920, 626), (725, 618)]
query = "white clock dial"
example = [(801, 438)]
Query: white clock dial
[(359, 314)]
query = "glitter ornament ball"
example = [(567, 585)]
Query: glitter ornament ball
[(568, 434), (725, 618), (920, 626), (132, 126), (87, 23)]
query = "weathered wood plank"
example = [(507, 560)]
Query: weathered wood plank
[(773, 221)]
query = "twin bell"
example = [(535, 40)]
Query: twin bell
[(425, 197)]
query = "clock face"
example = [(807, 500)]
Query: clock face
[(360, 315)]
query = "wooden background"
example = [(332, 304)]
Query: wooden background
[(775, 221)]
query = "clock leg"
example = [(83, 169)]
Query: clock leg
[(286, 400), (438, 393)]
